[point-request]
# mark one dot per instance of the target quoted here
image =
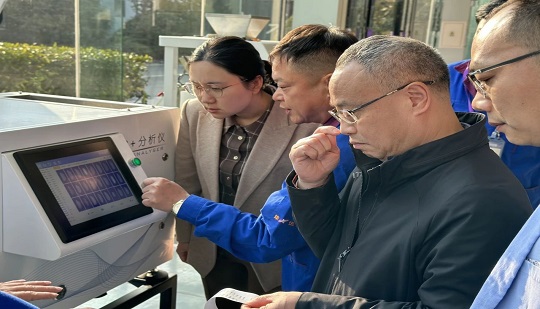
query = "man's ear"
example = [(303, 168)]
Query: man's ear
[(420, 97), (326, 82), (326, 79)]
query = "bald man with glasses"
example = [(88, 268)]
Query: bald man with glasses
[(429, 207)]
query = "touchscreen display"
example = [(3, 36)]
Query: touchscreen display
[(84, 187), (87, 186)]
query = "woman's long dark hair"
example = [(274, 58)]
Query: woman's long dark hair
[(236, 56)]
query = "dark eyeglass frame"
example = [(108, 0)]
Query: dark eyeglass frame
[(335, 113), (211, 91), (479, 85)]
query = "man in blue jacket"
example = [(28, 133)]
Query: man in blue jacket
[(429, 208), (305, 54), (522, 160)]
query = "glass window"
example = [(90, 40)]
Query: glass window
[(109, 49), (413, 18)]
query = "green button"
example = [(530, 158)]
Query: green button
[(136, 162)]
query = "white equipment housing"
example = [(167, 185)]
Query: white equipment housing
[(45, 234)]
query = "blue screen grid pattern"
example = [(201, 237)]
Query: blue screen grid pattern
[(94, 184)]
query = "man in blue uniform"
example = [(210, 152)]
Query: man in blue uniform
[(505, 69), (302, 63), (524, 161)]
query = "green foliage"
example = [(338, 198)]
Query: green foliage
[(159, 17), (51, 22), (105, 74)]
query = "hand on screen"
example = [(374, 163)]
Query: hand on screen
[(161, 193), (30, 290)]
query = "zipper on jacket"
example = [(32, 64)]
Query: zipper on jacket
[(358, 230), (341, 258)]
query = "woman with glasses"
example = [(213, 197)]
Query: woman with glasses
[(232, 148)]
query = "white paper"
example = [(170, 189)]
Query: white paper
[(230, 294)]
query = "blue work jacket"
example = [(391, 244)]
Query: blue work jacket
[(268, 237)]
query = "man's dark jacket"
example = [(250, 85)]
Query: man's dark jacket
[(421, 230)]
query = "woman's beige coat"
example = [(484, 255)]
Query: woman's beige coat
[(197, 170)]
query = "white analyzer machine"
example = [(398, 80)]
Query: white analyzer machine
[(70, 196)]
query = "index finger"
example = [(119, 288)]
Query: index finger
[(330, 130), (258, 302), (37, 282), (35, 295), (149, 181)]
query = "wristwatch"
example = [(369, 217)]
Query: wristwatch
[(176, 207)]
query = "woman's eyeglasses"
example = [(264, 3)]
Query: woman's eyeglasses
[(197, 89)]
